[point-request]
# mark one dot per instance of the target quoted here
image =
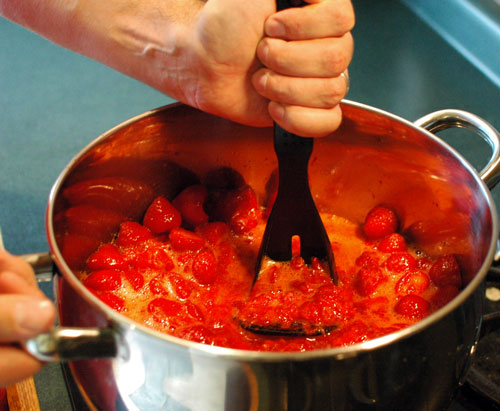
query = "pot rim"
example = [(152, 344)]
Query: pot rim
[(123, 324)]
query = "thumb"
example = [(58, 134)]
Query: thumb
[(24, 316)]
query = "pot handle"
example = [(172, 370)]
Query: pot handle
[(444, 119), (72, 344), (67, 343)]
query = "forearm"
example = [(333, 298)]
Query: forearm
[(144, 41)]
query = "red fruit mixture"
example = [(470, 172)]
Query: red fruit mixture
[(187, 270)]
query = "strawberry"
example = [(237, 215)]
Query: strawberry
[(161, 216), (414, 282), (194, 311), (115, 302), (182, 287), (367, 259), (190, 204), (161, 309), (184, 240), (104, 280), (135, 278), (205, 267), (197, 333), (400, 262), (155, 258), (368, 279), (446, 271), (107, 256), (132, 233), (392, 243), (158, 285), (412, 306), (380, 222)]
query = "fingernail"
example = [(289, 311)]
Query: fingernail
[(33, 315), (275, 29)]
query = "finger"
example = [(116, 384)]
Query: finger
[(11, 263), (329, 18), (23, 317), (13, 283), (310, 58), (304, 121), (309, 92), (16, 365)]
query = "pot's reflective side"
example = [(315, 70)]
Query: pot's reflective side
[(374, 158), (421, 372)]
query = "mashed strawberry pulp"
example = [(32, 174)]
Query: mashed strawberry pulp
[(187, 270)]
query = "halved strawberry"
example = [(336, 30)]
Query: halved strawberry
[(400, 262), (161, 309), (107, 256), (155, 258), (135, 278), (184, 240), (197, 333), (392, 243), (367, 259), (380, 222), (368, 279), (414, 282), (161, 216), (132, 233), (413, 306), (181, 286), (115, 302), (159, 285), (104, 280), (205, 267)]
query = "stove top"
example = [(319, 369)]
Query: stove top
[(482, 389)]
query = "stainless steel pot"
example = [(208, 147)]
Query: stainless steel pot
[(375, 157)]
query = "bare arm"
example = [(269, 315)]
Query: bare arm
[(235, 58)]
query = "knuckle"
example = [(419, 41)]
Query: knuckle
[(333, 61), (342, 13), (332, 92)]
